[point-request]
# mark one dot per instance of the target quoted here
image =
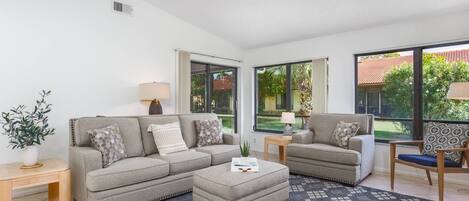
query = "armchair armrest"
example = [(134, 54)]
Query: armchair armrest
[(83, 160), (393, 145), (452, 150), (303, 137), (232, 139), (365, 144), (362, 143), (407, 142)]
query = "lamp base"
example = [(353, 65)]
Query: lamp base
[(288, 130), (155, 107)]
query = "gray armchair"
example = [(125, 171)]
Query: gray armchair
[(312, 153)]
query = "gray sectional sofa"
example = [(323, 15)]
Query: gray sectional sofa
[(144, 175), (312, 153)]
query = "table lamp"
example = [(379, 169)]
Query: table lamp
[(458, 91), (288, 118), (154, 92)]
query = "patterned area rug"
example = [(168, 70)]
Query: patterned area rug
[(304, 188)]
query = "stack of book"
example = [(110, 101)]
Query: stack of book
[(244, 165)]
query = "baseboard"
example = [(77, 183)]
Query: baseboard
[(29, 191)]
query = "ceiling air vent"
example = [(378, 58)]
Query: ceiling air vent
[(122, 7)]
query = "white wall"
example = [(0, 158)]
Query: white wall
[(340, 48), (91, 58)]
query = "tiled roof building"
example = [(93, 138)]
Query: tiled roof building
[(371, 71)]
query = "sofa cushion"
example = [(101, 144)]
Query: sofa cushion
[(209, 132), (185, 161), (323, 125), (221, 153), (426, 160), (445, 136), (168, 138), (189, 132), (109, 142), (343, 132), (147, 137), (324, 152), (126, 172), (128, 127)]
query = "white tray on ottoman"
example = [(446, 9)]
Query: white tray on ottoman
[(219, 183)]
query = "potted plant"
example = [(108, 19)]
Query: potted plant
[(245, 147), (27, 129)]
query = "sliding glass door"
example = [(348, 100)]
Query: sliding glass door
[(214, 89)]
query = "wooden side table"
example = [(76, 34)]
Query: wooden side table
[(281, 141), (53, 172)]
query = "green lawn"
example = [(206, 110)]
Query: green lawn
[(273, 123), (389, 130), (386, 130), (227, 122)]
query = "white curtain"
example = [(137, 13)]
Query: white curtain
[(320, 85), (183, 82)]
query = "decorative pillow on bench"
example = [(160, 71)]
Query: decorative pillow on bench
[(444, 136), (168, 138), (209, 132), (343, 132), (109, 142)]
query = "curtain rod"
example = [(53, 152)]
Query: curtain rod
[(213, 56)]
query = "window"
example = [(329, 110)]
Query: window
[(214, 89), (282, 88), (406, 88), (280, 102)]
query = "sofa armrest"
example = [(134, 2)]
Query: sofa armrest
[(303, 137), (83, 160), (365, 144), (362, 143), (232, 139)]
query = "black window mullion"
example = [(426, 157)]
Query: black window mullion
[(418, 94), (256, 97), (208, 89), (234, 88), (288, 94)]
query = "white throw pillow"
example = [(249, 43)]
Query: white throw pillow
[(168, 138)]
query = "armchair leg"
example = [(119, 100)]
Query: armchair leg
[(429, 177), (392, 162), (441, 175)]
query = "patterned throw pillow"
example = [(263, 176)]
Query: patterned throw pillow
[(109, 142), (168, 138), (209, 132), (443, 136), (343, 132)]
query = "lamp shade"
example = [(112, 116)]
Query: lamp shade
[(154, 90), (288, 118), (458, 91)]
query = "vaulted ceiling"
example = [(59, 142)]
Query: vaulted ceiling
[(257, 23)]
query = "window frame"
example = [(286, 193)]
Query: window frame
[(208, 93), (288, 99), (417, 117)]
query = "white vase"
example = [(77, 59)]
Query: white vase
[(30, 155), (245, 159)]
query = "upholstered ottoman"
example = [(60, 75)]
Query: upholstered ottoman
[(219, 183)]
